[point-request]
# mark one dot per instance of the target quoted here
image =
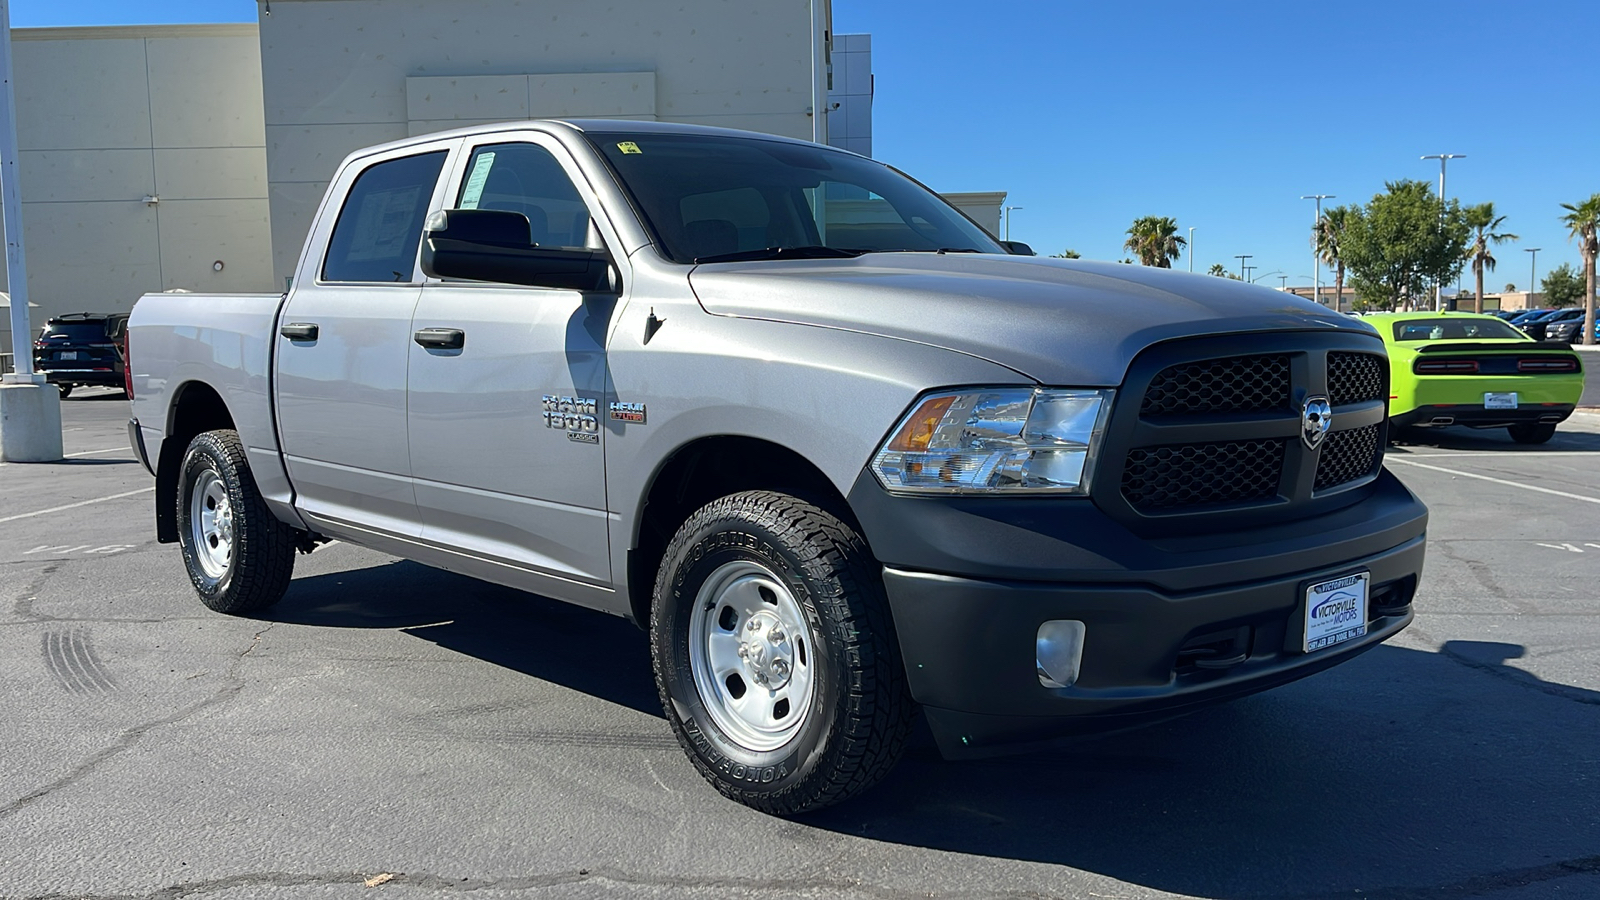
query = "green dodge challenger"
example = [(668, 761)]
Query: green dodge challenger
[(1466, 369)]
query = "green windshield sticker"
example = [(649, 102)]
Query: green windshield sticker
[(629, 147), (475, 181)]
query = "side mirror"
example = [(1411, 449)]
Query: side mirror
[(495, 245), (1018, 248)]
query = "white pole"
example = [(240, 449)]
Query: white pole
[(16, 272), (1191, 247), (30, 407), (819, 71)]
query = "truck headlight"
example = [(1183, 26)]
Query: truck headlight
[(996, 440)]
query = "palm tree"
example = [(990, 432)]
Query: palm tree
[(1154, 239), (1068, 253), (1583, 221), (1327, 237), (1483, 222), (1218, 270)]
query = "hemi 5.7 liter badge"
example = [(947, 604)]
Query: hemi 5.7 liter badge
[(575, 415), (627, 412)]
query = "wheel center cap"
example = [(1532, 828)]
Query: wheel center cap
[(767, 651)]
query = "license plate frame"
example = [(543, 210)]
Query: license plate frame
[(1500, 400), (1335, 611)]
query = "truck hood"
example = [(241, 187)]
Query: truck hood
[(1060, 322)]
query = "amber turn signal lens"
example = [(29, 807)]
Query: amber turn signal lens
[(918, 431)]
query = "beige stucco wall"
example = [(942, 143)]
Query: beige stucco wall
[(107, 117), (343, 74)]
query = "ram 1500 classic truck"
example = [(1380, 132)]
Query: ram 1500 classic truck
[(846, 458)]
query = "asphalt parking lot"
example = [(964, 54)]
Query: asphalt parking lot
[(400, 727)]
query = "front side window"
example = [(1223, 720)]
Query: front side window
[(526, 179), (713, 197), (380, 227)]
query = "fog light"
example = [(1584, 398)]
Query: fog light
[(1058, 650)]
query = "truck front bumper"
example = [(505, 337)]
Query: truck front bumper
[(1171, 624)]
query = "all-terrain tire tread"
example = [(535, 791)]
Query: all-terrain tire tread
[(876, 721), (264, 547)]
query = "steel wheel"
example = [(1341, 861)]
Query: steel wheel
[(211, 524), (752, 656)]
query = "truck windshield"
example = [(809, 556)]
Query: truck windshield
[(710, 198)]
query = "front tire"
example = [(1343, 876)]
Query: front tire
[(239, 556), (1532, 434), (775, 654)]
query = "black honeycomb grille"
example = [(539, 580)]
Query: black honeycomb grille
[(1346, 456), (1232, 384), (1187, 475), (1354, 378)]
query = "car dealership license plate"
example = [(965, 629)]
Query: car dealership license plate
[(1336, 611), (67, 354), (1493, 400)]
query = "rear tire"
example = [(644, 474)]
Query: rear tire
[(1531, 434), (239, 556), (775, 654)]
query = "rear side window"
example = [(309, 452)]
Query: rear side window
[(380, 226)]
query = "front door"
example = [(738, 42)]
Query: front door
[(344, 345), (506, 434)]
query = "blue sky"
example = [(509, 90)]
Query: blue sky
[(1220, 114)]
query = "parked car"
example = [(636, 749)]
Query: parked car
[(1528, 315), (845, 458), (1477, 371), (1567, 329), (82, 349), (1537, 328), (1505, 314)]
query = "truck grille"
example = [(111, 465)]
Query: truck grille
[(1346, 456), (1218, 434), (1235, 384), (1196, 474), (1355, 378)]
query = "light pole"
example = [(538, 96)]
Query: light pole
[(1438, 288), (1264, 274), (1191, 248), (30, 407), (1316, 257), (1008, 221), (1241, 257), (1283, 282), (1533, 256), (1245, 274)]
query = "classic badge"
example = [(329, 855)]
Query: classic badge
[(1316, 417)]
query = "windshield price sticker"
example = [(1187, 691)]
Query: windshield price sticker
[(1336, 611)]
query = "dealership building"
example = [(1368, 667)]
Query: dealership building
[(192, 157)]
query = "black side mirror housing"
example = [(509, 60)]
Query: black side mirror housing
[(495, 245), (1018, 248)]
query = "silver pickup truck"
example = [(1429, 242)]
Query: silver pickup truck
[(845, 457)]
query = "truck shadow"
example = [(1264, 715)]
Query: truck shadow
[(1400, 774)]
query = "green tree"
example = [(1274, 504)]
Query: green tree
[(1154, 239), (1068, 253), (1221, 271), (1563, 286), (1583, 222), (1327, 237), (1485, 234), (1402, 243)]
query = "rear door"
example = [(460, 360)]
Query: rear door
[(344, 345), (506, 431)]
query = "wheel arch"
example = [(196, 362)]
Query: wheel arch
[(699, 472), (196, 408)]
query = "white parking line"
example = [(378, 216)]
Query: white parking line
[(98, 452), (1499, 453), (52, 509), (1515, 484)]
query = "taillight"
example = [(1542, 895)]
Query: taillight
[(1445, 367), (1547, 365), (127, 368)]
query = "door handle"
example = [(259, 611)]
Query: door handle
[(441, 338), (299, 331)]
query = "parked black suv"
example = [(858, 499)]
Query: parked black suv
[(81, 349)]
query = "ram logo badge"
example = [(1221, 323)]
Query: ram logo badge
[(574, 415)]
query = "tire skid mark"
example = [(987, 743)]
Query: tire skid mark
[(23, 607), (70, 657)]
